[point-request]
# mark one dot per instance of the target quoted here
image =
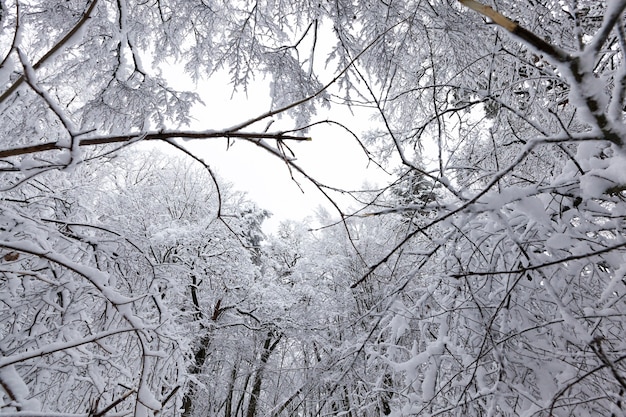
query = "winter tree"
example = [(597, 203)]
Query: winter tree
[(487, 279)]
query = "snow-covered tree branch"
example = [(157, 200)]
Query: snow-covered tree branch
[(485, 277)]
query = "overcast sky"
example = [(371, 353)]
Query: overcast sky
[(332, 157)]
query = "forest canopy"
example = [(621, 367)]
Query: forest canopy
[(487, 279)]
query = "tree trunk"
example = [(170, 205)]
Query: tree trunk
[(229, 397), (201, 353), (268, 348)]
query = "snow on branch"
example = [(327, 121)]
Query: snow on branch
[(577, 69), (62, 43), (60, 346), (517, 30)]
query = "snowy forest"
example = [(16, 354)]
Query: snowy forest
[(487, 278)]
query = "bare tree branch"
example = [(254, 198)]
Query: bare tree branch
[(160, 135)]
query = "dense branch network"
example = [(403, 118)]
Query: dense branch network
[(487, 277)]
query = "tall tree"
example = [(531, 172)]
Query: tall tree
[(85, 329), (502, 296)]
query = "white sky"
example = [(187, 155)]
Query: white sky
[(333, 156)]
